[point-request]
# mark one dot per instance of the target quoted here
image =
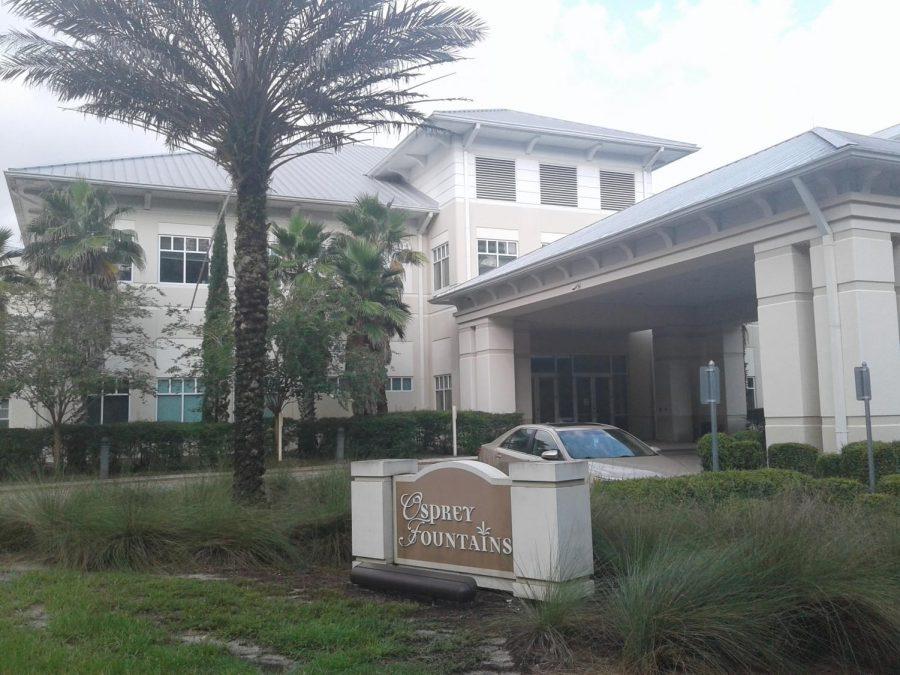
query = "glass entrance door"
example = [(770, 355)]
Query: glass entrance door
[(544, 393)]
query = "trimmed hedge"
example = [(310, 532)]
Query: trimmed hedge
[(855, 461), (400, 434), (794, 456), (706, 488), (134, 447), (733, 454), (890, 485), (828, 465)]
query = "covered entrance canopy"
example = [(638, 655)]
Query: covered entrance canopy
[(612, 323)]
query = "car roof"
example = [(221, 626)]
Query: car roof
[(573, 425)]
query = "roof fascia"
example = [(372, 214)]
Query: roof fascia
[(453, 294)]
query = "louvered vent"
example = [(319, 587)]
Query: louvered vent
[(495, 178), (616, 190), (559, 185)]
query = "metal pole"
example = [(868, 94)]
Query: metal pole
[(869, 448), (453, 418), (715, 436)]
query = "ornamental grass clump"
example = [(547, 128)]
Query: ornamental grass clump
[(99, 526), (782, 584)]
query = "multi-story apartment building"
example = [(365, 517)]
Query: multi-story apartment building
[(481, 187)]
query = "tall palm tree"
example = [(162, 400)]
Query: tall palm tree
[(370, 259), (74, 236), (251, 85)]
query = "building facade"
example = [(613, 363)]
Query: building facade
[(558, 285), (481, 188)]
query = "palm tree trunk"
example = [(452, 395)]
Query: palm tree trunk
[(251, 289)]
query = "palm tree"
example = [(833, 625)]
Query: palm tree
[(74, 236), (10, 272), (298, 249), (370, 259), (251, 85)]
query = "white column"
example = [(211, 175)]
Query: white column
[(522, 351), (487, 366), (372, 507), (787, 338), (869, 331), (734, 379), (676, 356), (551, 526)]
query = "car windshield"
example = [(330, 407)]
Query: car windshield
[(602, 444)]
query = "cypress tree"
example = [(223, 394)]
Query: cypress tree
[(218, 333)]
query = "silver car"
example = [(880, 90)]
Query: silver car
[(612, 454)]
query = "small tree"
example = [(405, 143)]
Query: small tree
[(60, 350), (217, 349), (306, 330)]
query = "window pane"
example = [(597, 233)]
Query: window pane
[(407, 384), (437, 276), (189, 386), (165, 242), (162, 386), (193, 408), (92, 414), (115, 409), (124, 272), (171, 267), (203, 245), (178, 243), (492, 246), (512, 248), (503, 259), (486, 263), (482, 246), (168, 408), (501, 247), (190, 244), (196, 268), (176, 386), (445, 272)]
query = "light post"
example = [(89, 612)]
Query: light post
[(709, 394)]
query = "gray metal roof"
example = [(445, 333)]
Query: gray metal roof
[(515, 119), (786, 157), (330, 177)]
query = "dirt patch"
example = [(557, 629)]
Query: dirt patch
[(36, 617), (253, 654)]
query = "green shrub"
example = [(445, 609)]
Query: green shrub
[(855, 462), (828, 465), (401, 434), (794, 456), (705, 488), (21, 452), (890, 485), (733, 454), (836, 490), (750, 435)]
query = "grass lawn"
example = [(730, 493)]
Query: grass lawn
[(53, 620)]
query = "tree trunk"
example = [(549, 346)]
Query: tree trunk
[(251, 289), (57, 449)]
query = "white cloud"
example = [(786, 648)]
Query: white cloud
[(733, 76)]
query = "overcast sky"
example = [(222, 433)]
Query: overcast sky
[(733, 76)]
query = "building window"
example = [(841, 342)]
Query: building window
[(125, 272), (493, 253), (399, 384), (110, 406), (179, 400), (751, 393), (182, 260), (443, 392), (440, 257), (616, 190), (559, 185), (4, 413), (495, 179)]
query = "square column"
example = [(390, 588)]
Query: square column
[(869, 330), (372, 507), (487, 366), (787, 338), (734, 379)]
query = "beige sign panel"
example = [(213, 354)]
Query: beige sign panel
[(454, 516)]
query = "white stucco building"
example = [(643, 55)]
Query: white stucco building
[(559, 286)]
